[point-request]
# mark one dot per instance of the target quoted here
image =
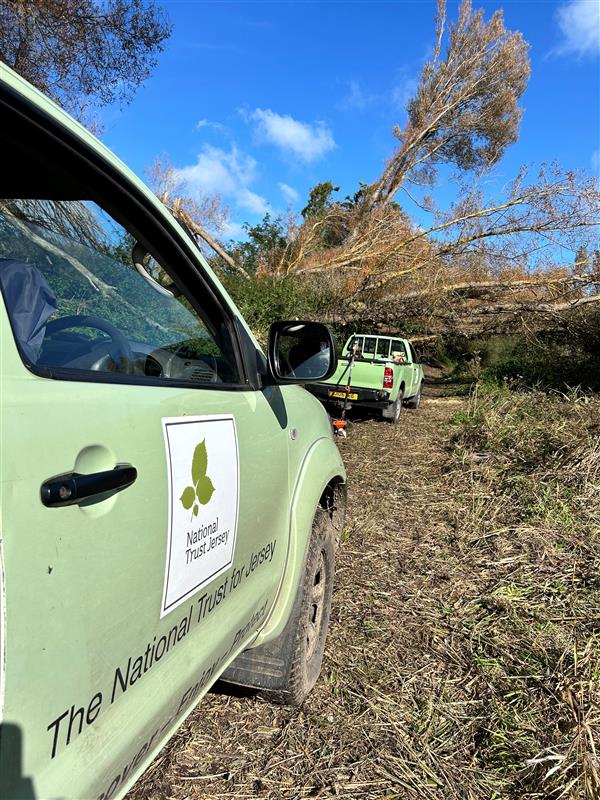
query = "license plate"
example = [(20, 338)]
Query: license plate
[(344, 396)]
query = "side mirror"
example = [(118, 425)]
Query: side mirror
[(301, 352)]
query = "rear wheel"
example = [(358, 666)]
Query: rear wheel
[(393, 411), (415, 401)]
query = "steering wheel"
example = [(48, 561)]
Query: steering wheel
[(120, 353)]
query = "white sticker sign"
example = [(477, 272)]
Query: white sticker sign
[(203, 474)]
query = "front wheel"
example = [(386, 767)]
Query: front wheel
[(285, 670), (310, 617)]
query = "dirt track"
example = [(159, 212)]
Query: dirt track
[(365, 730), (463, 655)]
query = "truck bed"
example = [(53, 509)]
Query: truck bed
[(365, 387)]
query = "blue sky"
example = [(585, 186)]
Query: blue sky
[(261, 100)]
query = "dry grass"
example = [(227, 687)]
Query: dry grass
[(533, 468), (464, 651)]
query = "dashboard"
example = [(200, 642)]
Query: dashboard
[(180, 362)]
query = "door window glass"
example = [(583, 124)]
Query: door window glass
[(83, 295)]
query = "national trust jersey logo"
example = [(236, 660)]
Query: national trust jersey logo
[(202, 488)]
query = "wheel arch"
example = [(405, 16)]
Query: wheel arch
[(321, 485), (333, 501)]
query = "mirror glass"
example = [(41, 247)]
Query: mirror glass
[(303, 351)]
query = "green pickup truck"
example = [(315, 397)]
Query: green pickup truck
[(381, 373), (170, 501)]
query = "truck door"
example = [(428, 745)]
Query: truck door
[(416, 376), (407, 374), (144, 482)]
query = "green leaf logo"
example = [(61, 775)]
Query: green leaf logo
[(202, 489)]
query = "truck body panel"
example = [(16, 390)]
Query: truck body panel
[(114, 621)]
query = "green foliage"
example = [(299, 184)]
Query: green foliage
[(319, 200), (332, 229), (264, 239), (557, 359), (263, 300), (452, 348), (552, 365), (359, 196)]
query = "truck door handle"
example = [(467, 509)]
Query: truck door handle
[(73, 487)]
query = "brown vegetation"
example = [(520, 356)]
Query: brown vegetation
[(482, 263), (462, 661)]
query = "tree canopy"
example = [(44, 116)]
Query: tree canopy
[(465, 110), (86, 53)]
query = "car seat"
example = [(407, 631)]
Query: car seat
[(29, 301)]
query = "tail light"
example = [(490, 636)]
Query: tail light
[(388, 378)]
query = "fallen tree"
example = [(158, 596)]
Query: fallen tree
[(484, 256)]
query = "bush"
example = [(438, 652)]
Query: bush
[(546, 364), (263, 300), (554, 360)]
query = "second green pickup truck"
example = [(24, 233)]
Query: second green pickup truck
[(381, 373)]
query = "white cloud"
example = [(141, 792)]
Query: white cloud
[(402, 92), (206, 123), (234, 230), (217, 170), (579, 23), (301, 139), (290, 194), (229, 173), (252, 202), (356, 99)]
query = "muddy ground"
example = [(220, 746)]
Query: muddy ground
[(366, 728)]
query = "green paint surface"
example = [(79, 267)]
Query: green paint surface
[(94, 681)]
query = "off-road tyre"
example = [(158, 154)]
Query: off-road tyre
[(415, 401), (285, 670), (393, 411)]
